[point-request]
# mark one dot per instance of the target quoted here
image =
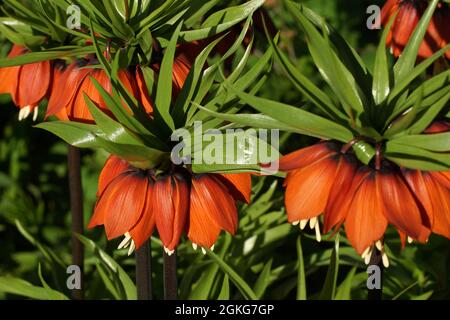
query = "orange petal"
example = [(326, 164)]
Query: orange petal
[(143, 91), (239, 185), (341, 193), (308, 189), (418, 185), (143, 229), (65, 90), (170, 205), (123, 203), (403, 27), (365, 222), (212, 208), (34, 83), (400, 207), (438, 127), (389, 8), (306, 156), (443, 177), (113, 167), (9, 78), (441, 206)]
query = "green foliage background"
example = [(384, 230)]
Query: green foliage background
[(262, 260)]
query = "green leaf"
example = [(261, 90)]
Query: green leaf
[(52, 294), (330, 66), (248, 119), (225, 290), (304, 121), (439, 142), (263, 280), (364, 151), (164, 90), (147, 157), (240, 283), (344, 290), (306, 86), (406, 61), (79, 135), (402, 85), (382, 71), (416, 158), (25, 289), (45, 55), (48, 254), (203, 287), (190, 86), (429, 116), (329, 287), (121, 278), (222, 20), (301, 276)]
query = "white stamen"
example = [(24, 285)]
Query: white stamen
[(203, 251), (379, 245), (312, 222), (132, 247), (364, 254), (318, 235), (194, 246), (303, 224), (385, 259), (168, 251), (125, 242), (410, 240), (35, 113), (295, 223), (212, 248), (26, 112), (368, 256), (20, 114)]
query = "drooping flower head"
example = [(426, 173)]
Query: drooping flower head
[(409, 14), (132, 202), (327, 179), (28, 84), (67, 98)]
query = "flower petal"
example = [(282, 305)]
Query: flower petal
[(113, 167), (341, 193), (143, 229), (239, 185), (123, 203), (400, 206), (365, 222), (308, 189), (306, 156), (170, 205), (212, 208)]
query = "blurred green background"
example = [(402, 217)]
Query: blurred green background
[(35, 220)]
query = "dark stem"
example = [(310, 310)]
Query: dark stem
[(76, 207), (170, 276), (144, 272), (375, 260)]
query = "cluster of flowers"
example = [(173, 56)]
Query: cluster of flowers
[(322, 179), (132, 201)]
